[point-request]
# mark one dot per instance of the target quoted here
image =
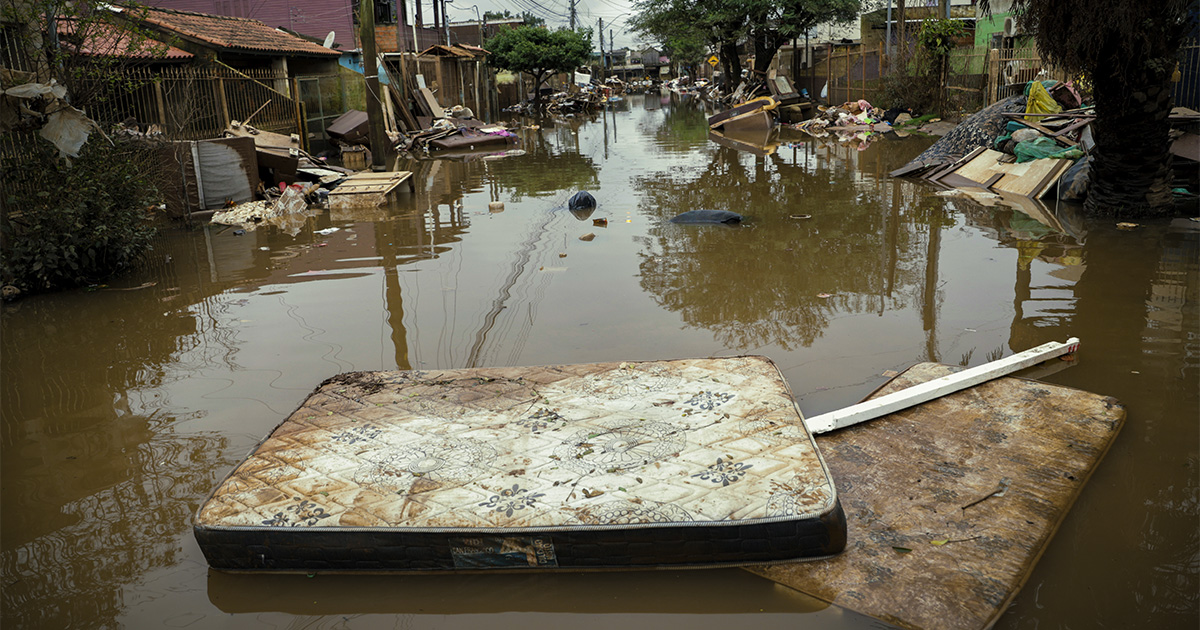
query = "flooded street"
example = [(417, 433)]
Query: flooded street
[(124, 406)]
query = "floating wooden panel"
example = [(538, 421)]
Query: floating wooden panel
[(369, 182), (931, 543), (1029, 179)]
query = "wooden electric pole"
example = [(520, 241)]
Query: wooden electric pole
[(366, 33)]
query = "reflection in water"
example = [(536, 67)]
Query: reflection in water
[(552, 163), (778, 280), (120, 410)]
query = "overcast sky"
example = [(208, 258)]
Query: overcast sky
[(616, 14)]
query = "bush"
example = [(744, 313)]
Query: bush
[(70, 224)]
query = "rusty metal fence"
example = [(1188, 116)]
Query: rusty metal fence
[(1186, 92), (190, 103), (854, 73), (975, 77), (325, 98)]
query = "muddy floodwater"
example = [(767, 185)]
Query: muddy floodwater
[(124, 405)]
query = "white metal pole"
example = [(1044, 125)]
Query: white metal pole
[(938, 387)]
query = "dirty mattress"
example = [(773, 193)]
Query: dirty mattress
[(692, 462)]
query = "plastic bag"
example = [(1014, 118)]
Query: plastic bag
[(1044, 148), (1073, 185), (1039, 101)]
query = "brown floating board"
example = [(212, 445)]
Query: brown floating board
[(933, 543), (1029, 179), (368, 182)]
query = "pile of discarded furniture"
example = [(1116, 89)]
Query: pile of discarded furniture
[(760, 106), (581, 98), (1032, 145)]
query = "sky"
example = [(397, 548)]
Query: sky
[(616, 14)]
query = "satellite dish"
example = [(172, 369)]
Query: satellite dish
[(328, 40)]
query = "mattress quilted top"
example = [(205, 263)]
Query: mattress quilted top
[(690, 441)]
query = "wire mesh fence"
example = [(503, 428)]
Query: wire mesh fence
[(190, 103)]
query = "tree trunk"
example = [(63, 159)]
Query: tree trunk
[(1131, 175), (731, 63), (766, 44)]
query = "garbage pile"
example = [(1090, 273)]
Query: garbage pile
[(854, 123), (1036, 145), (284, 202), (447, 134), (685, 85), (588, 97)]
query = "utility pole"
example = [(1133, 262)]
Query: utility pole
[(401, 19), (572, 3), (366, 33), (437, 19), (601, 31)]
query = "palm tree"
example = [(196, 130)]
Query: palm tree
[(1128, 49)]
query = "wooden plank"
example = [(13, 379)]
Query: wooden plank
[(983, 166), (1027, 178), (1049, 179), (939, 174), (369, 182), (937, 388), (401, 105), (913, 169), (1049, 133), (937, 540)]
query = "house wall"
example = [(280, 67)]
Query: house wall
[(385, 38), (314, 18)]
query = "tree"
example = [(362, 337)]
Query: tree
[(539, 52), (674, 23), (1128, 50), (529, 18), (766, 24), (771, 23)]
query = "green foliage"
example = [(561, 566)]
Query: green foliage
[(110, 40), (529, 18), (937, 35), (539, 52), (1116, 37), (70, 224), (721, 24)]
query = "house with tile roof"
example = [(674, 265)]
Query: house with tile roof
[(240, 43)]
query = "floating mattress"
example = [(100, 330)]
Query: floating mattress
[(952, 502), (695, 462)]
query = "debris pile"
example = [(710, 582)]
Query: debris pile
[(761, 106), (286, 201), (854, 123), (1037, 144), (1022, 145), (587, 98)]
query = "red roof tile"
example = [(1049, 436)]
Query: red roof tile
[(104, 40), (232, 33)]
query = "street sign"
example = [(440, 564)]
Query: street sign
[(713, 61)]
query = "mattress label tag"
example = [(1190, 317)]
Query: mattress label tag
[(484, 552)]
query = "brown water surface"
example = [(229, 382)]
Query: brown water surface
[(124, 406)]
